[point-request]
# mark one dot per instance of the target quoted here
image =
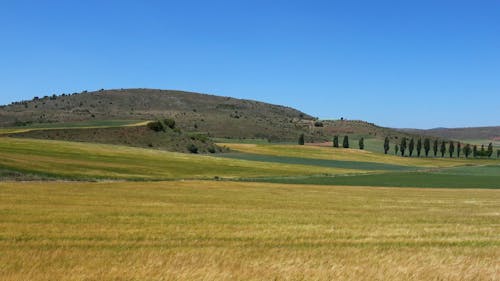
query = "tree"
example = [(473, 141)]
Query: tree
[(361, 143), (386, 145), (402, 146), (396, 149), (451, 149), (345, 143), (411, 146), (435, 147), (301, 139), (419, 147), (427, 146), (490, 149), (474, 151), (443, 148), (336, 141), (459, 146), (467, 150), (498, 153)]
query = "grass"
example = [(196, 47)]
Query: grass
[(317, 162), (397, 179), (201, 230), (314, 152), (99, 161)]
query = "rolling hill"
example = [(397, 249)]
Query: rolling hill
[(215, 116)]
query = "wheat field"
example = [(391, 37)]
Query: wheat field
[(209, 230)]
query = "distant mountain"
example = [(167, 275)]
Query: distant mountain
[(471, 133)]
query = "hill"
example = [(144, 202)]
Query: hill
[(220, 116), (215, 116)]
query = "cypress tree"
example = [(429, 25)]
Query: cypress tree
[(443, 148), (386, 145), (301, 139), (411, 146), (435, 147), (419, 147), (427, 146), (361, 143), (336, 141), (402, 146), (467, 150), (498, 153), (474, 150), (490, 149), (345, 143), (451, 149), (396, 149), (459, 146)]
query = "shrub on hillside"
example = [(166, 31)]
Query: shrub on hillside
[(192, 148), (156, 126), (169, 123)]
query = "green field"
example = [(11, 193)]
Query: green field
[(195, 230), (72, 125)]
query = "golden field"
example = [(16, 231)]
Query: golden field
[(213, 230)]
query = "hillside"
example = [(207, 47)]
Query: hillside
[(220, 116), (135, 136), (215, 116)]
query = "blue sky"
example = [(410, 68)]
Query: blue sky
[(399, 63)]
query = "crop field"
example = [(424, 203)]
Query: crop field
[(206, 230), (86, 211), (341, 154), (70, 125), (71, 160)]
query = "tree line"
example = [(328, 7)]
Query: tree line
[(443, 147), (425, 146)]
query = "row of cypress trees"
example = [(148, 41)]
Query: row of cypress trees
[(345, 142), (442, 148), (410, 145)]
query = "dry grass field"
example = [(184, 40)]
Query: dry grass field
[(208, 230)]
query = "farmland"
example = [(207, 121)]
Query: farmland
[(205, 230), (111, 200)]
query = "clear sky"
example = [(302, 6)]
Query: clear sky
[(396, 63)]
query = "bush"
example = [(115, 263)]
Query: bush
[(156, 126), (169, 123), (192, 148), (318, 124)]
